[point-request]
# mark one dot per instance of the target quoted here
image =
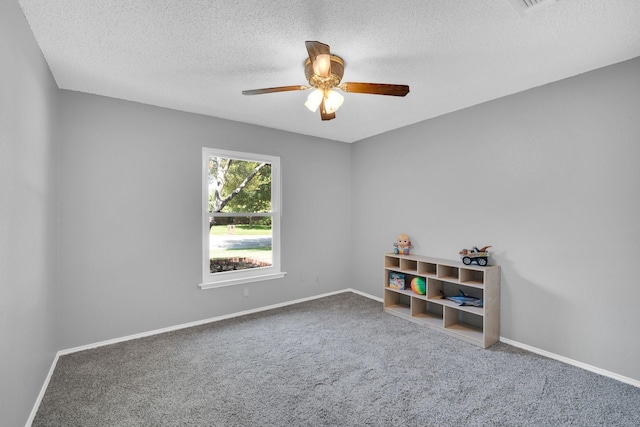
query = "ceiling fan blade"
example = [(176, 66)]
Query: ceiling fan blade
[(375, 88), (316, 48), (323, 113), (320, 56), (274, 89)]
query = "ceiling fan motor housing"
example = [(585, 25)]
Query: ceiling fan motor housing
[(333, 80)]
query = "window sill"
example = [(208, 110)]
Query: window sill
[(241, 281)]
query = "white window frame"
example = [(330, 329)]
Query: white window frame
[(230, 278)]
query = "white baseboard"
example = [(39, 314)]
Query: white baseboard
[(362, 294), (572, 362), (43, 389), (199, 322)]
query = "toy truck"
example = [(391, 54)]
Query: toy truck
[(480, 256)]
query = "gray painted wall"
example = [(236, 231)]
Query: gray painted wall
[(549, 177), (130, 221), (27, 217)]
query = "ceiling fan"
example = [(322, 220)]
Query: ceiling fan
[(324, 72)]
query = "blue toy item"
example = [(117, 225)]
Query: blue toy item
[(464, 299)]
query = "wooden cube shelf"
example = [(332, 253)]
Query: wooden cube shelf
[(477, 325)]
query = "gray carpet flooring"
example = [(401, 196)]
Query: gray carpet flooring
[(335, 361)]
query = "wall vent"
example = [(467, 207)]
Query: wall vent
[(527, 7)]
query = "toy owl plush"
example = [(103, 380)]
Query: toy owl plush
[(402, 245)]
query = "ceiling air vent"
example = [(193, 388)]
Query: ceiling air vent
[(527, 7)]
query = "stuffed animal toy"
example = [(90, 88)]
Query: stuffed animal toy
[(402, 245)]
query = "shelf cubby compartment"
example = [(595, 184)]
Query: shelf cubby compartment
[(408, 277), (427, 312), (397, 302), (409, 265), (466, 325), (453, 289), (471, 277), (434, 286), (427, 268), (448, 272), (391, 262)]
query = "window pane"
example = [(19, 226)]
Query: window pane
[(239, 243), (241, 218), (239, 185)]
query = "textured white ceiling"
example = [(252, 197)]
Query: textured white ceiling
[(198, 55)]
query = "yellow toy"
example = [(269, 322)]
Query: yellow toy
[(402, 245)]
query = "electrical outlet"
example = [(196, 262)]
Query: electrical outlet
[(246, 292)]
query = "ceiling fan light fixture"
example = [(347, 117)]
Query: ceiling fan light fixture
[(332, 101), (322, 65), (314, 99), (324, 72)]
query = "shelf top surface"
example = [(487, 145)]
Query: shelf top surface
[(441, 261)]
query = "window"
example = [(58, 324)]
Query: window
[(241, 218)]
